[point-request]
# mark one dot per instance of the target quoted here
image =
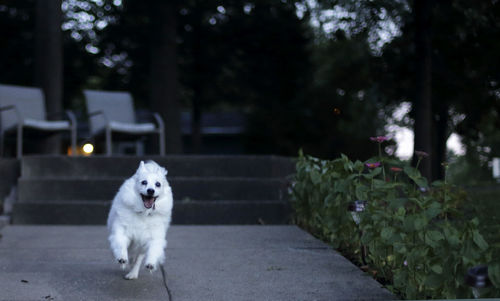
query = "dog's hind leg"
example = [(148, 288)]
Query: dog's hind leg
[(134, 272)]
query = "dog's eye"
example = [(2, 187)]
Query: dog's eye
[(144, 182), (158, 184)]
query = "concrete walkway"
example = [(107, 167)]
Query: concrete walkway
[(203, 263)]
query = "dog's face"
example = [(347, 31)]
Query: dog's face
[(150, 182)]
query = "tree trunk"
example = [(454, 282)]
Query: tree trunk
[(440, 137), (423, 101), (196, 139), (164, 85), (198, 84), (49, 63)]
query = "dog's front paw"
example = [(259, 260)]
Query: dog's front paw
[(151, 267), (123, 263)]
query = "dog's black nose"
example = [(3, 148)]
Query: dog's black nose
[(151, 191)]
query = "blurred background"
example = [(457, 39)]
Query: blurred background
[(274, 76)]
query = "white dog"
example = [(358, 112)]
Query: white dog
[(139, 218)]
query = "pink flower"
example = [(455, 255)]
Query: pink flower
[(396, 169), (421, 154), (372, 165), (379, 139)]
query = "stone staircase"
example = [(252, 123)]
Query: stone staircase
[(207, 189)]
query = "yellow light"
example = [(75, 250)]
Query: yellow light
[(88, 148)]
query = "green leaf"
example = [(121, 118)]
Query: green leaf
[(335, 174), (379, 185), (479, 240), (434, 235), (433, 211), (328, 199), (387, 233), (401, 211), (421, 182), (432, 238), (411, 292), (401, 278), (367, 238), (400, 248), (451, 236), (437, 269), (494, 273), (420, 223), (415, 175), (434, 281), (411, 172), (409, 223), (359, 166), (348, 165), (397, 203), (438, 183), (361, 192), (373, 173), (315, 177)]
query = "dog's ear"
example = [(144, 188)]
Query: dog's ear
[(141, 166), (165, 171)]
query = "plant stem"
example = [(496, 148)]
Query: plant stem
[(381, 160), (446, 166)]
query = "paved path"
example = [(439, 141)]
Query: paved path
[(203, 263)]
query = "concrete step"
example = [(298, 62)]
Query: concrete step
[(183, 189), (9, 173), (207, 189), (188, 212), (181, 165)]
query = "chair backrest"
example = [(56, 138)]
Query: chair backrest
[(29, 101), (118, 106)]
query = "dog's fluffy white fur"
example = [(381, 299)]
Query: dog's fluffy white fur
[(139, 219)]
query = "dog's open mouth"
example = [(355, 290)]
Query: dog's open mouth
[(148, 200)]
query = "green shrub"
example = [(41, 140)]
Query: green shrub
[(418, 242)]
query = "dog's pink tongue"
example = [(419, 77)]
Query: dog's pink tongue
[(148, 202)]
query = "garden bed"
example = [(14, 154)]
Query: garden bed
[(418, 241)]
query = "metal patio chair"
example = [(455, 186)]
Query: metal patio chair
[(113, 111), (24, 108)]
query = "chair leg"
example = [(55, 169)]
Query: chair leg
[(108, 142), (73, 127), (139, 149), (1, 143), (161, 135), (19, 141), (73, 141)]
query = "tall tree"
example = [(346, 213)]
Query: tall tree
[(423, 83), (199, 71), (17, 40), (164, 74), (464, 81), (49, 62)]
